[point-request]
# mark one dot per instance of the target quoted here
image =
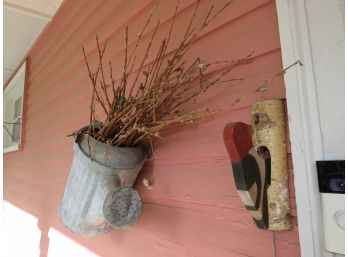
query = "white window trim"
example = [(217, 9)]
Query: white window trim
[(304, 123), (11, 148), (21, 72)]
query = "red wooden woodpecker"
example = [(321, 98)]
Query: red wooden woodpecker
[(251, 171)]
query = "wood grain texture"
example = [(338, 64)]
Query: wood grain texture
[(193, 209)]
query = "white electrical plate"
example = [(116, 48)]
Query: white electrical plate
[(333, 219)]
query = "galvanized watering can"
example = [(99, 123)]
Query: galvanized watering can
[(99, 195)]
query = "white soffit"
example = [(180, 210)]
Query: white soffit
[(44, 9), (23, 20)]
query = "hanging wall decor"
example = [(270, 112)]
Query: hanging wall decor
[(152, 93), (149, 98), (259, 162)]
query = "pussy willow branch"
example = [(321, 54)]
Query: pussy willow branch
[(160, 89), (94, 77), (146, 55), (102, 82), (205, 113)]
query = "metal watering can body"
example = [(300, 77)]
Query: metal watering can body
[(98, 194)]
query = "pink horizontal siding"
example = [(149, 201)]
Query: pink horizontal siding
[(193, 209)]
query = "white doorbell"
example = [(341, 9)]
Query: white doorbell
[(332, 190)]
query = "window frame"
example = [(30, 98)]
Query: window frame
[(19, 75)]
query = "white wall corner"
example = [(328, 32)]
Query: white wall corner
[(304, 123)]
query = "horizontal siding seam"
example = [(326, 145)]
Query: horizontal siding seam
[(163, 24), (48, 49), (74, 33), (37, 111)]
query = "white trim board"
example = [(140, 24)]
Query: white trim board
[(11, 148), (306, 130)]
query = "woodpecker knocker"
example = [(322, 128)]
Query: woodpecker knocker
[(251, 172), (259, 162)]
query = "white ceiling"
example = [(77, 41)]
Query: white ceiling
[(24, 20)]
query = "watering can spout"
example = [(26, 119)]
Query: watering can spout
[(122, 207)]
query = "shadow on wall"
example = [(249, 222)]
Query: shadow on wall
[(26, 235)]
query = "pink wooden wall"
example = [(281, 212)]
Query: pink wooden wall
[(193, 209)]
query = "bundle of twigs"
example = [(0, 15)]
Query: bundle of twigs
[(150, 99)]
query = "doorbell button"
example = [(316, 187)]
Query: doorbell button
[(339, 219)]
